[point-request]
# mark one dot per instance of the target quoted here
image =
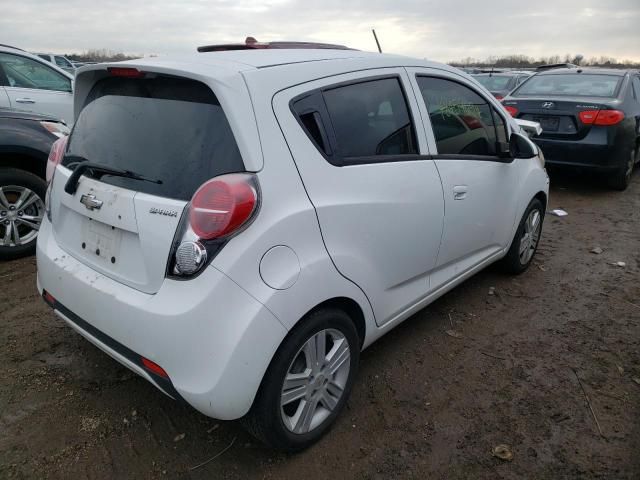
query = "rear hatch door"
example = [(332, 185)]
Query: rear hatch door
[(170, 130)]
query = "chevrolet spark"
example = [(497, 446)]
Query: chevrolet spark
[(237, 226)]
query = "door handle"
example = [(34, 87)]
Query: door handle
[(459, 192), (24, 100)]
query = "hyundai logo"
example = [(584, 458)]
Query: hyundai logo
[(548, 105), (91, 202)]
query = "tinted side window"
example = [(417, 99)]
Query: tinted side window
[(371, 118), (27, 73), (463, 122)]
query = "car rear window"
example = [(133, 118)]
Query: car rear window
[(165, 128), (575, 84), (494, 82)]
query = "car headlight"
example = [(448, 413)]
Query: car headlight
[(59, 129)]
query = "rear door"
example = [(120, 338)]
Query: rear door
[(480, 187), (172, 131), (360, 149), (35, 87)]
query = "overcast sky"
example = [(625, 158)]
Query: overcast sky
[(437, 29)]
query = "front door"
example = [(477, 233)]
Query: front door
[(468, 133), (360, 149)]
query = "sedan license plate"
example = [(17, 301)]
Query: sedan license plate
[(100, 239), (548, 124)]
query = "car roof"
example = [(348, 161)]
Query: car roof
[(24, 53), (503, 74), (242, 60), (586, 70)]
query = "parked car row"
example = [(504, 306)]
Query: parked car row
[(590, 117)]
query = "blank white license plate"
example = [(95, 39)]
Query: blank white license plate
[(100, 239)]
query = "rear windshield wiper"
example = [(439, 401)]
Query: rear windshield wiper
[(97, 170)]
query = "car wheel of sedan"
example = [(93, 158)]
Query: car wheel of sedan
[(525, 243), (21, 212), (307, 383), (621, 179)]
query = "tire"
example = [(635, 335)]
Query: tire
[(515, 262), (622, 178), (274, 424), (13, 183)]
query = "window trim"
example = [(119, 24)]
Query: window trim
[(458, 156), (335, 158)]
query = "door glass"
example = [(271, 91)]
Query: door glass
[(462, 121), (371, 118), (27, 73)]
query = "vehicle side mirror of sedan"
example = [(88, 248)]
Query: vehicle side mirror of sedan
[(521, 147), (533, 129)]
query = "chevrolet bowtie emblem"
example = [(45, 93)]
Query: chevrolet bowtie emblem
[(91, 202)]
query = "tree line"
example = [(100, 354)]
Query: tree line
[(100, 55), (524, 61)]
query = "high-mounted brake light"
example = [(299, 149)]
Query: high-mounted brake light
[(55, 157), (127, 72), (223, 205), (601, 117), (513, 111), (498, 96)]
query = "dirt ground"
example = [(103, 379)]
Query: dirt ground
[(521, 369)]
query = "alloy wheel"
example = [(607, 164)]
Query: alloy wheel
[(315, 381), (21, 212), (530, 236)]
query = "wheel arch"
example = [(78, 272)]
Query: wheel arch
[(350, 307)]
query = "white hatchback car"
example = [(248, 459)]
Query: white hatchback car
[(236, 226)]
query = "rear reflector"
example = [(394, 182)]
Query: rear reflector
[(513, 111), (48, 298), (154, 367), (125, 72)]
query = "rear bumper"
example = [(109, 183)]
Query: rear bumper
[(593, 152), (212, 338)]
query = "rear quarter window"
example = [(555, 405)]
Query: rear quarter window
[(169, 129)]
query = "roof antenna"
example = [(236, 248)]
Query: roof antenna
[(376, 37)]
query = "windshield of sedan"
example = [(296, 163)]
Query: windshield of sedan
[(494, 82), (571, 84)]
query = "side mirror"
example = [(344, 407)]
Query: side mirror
[(521, 147)]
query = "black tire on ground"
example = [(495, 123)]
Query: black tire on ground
[(512, 262), (621, 179), (20, 178), (264, 421)]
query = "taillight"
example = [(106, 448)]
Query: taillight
[(222, 205), (55, 156), (609, 117), (601, 117), (221, 208), (513, 111)]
